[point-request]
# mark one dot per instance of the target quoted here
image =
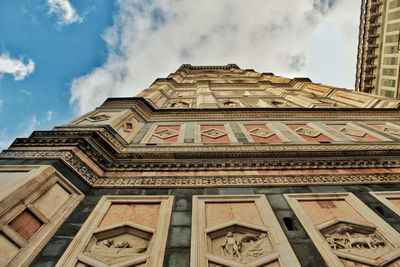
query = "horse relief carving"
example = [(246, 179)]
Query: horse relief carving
[(347, 237)]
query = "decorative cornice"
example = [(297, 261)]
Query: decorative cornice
[(90, 177)]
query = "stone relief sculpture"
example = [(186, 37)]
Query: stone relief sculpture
[(245, 247), (231, 246), (348, 237)]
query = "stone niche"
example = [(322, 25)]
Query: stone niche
[(237, 231), (34, 202), (345, 231), (122, 231)]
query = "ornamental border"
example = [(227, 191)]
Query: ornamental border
[(90, 177)]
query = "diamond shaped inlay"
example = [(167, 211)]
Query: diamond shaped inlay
[(231, 104), (213, 133), (166, 133), (128, 127), (96, 118), (353, 132), (307, 132), (180, 104), (392, 131), (260, 132)]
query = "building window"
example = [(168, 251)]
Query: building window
[(390, 61), (389, 72), (393, 27), (388, 93), (392, 38), (394, 15), (388, 83), (390, 49), (394, 4)]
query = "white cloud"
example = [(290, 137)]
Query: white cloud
[(1, 104), (49, 116), (65, 12), (26, 92), (16, 67), (150, 39)]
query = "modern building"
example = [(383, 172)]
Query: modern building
[(378, 48), (211, 166)]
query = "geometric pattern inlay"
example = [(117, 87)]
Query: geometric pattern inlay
[(392, 130), (97, 118), (308, 132), (166, 133), (213, 133), (260, 132), (353, 132)]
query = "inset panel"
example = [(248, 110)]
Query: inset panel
[(122, 231), (390, 198), (237, 231), (345, 231), (34, 204)]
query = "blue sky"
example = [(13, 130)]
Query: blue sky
[(61, 58), (59, 51)]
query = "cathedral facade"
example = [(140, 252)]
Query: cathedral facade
[(211, 166)]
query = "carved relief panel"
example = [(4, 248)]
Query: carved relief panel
[(390, 198), (345, 231), (237, 231), (122, 231), (34, 202)]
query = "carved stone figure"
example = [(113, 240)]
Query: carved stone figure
[(231, 246)]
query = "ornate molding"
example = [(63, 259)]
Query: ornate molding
[(90, 177)]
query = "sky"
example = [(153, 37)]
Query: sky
[(62, 58)]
